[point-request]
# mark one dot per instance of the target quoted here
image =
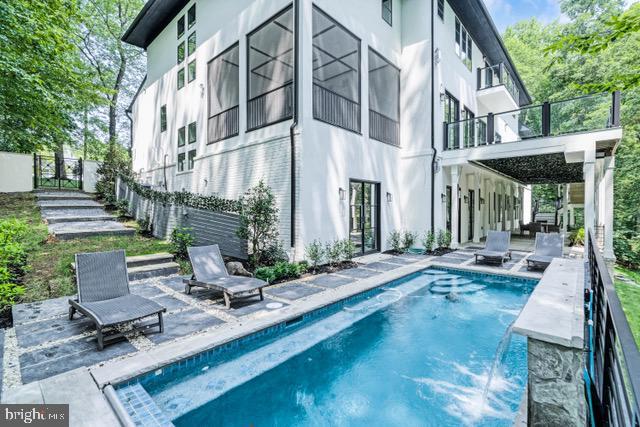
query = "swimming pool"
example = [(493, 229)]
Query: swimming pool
[(433, 348)]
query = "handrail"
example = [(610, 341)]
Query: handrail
[(614, 359)]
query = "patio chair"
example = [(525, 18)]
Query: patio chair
[(548, 247), (496, 248), (104, 296), (534, 229), (524, 227), (210, 272)]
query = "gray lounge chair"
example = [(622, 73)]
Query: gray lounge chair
[(496, 249), (548, 247), (104, 296), (210, 272)]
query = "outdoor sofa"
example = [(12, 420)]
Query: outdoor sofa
[(210, 272), (496, 248), (104, 296)]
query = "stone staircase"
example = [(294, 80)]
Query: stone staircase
[(74, 214), (147, 266)]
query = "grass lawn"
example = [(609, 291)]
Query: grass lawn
[(629, 295), (49, 273)]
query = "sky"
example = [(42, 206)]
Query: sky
[(507, 12)]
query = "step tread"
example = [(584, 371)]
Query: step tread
[(153, 267), (149, 257), (163, 256)]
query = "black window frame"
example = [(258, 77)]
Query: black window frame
[(181, 53), (181, 78), (387, 5), (468, 128), (464, 44), (235, 109), (382, 57), (163, 118), (192, 132), (359, 102), (180, 27), (182, 136), (191, 159), (191, 66), (191, 16), (181, 161), (291, 84), (441, 9), (191, 44), (454, 132)]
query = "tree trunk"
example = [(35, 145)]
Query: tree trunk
[(113, 105)]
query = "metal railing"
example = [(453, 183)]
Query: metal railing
[(614, 359), (57, 172), (497, 75), (270, 107), (335, 109), (582, 114), (223, 125), (383, 128)]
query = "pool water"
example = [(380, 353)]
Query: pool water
[(435, 349)]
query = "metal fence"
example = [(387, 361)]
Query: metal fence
[(207, 227), (335, 109), (270, 107), (614, 365)]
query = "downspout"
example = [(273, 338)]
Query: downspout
[(164, 171), (433, 123), (294, 124), (127, 112)]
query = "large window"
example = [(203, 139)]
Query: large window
[(451, 115), (191, 16), (464, 44), (191, 44), (181, 136), (192, 133), (223, 86), (468, 128), (181, 157), (163, 118), (387, 11), (384, 99), (180, 78), (336, 73), (192, 70), (181, 26), (191, 159), (270, 71)]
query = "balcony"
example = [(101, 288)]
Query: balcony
[(497, 89), (551, 119)]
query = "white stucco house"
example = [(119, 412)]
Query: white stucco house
[(364, 116)]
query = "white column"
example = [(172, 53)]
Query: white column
[(477, 214), (609, 165), (455, 206), (526, 205), (589, 172), (565, 208)]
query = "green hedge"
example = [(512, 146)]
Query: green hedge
[(13, 260), (183, 198)]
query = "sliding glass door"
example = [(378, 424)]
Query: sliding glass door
[(364, 216)]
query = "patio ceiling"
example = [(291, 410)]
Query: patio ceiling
[(540, 169)]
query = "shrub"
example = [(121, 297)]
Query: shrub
[(627, 249), (5, 276), (12, 230), (181, 239), (441, 239), (9, 294), (395, 241), (315, 253), (348, 249), (273, 254), (447, 239), (144, 226), (116, 162), (122, 206), (428, 240), (577, 237), (258, 220), (333, 252), (281, 270), (408, 239)]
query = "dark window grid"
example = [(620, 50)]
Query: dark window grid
[(191, 16), (192, 71), (181, 158), (397, 120), (191, 44), (191, 159), (181, 53), (181, 136), (387, 11), (180, 78), (230, 112), (192, 133), (163, 118), (180, 26)]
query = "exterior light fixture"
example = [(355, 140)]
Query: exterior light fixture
[(481, 200), (342, 194), (389, 197), (466, 199), (443, 197)]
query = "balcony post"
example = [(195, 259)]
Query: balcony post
[(490, 129), (546, 118), (445, 132), (479, 78), (615, 109)]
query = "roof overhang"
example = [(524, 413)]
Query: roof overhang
[(152, 19), (538, 169), (478, 22)]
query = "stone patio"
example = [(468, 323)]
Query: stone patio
[(44, 343)]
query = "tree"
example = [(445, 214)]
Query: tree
[(43, 82), (116, 66), (259, 220)]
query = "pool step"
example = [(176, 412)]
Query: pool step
[(466, 289), (453, 282)]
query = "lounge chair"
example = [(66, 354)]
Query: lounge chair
[(104, 296), (210, 272), (548, 247), (496, 249)]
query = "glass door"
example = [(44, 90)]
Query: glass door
[(364, 228)]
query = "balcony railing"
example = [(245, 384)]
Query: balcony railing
[(335, 109), (614, 360), (383, 128), (583, 114), (497, 75), (270, 107), (223, 125)]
